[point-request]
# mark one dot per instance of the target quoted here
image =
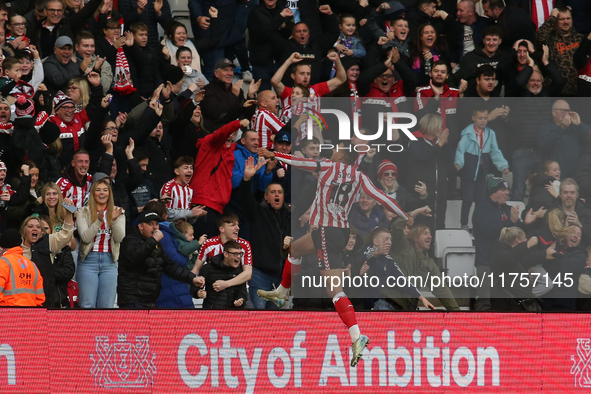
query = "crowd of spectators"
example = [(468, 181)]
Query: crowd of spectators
[(129, 161)]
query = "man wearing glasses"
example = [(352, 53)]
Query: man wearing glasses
[(47, 30), (561, 138), (222, 268), (71, 123)]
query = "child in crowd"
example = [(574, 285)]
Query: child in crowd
[(177, 192), (477, 147), (348, 43), (544, 187), (188, 245)]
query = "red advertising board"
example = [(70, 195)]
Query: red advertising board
[(165, 351)]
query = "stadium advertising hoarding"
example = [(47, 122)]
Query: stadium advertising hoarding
[(245, 352)]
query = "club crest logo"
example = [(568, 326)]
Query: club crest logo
[(582, 365), (123, 364)]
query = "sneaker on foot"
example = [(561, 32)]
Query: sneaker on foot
[(272, 296), (465, 227), (247, 76), (358, 346)]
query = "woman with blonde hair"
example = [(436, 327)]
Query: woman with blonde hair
[(79, 91), (51, 205), (101, 226), (41, 248)]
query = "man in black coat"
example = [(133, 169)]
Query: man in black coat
[(223, 266), (515, 22), (141, 264), (269, 26), (312, 47), (490, 217), (271, 230), (225, 100)]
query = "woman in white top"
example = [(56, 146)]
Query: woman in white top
[(101, 226)]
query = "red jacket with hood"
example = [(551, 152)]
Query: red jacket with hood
[(212, 179)]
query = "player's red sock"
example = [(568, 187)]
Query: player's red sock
[(345, 309), (292, 267)]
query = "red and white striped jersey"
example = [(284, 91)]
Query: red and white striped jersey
[(316, 91), (446, 105), (181, 194), (540, 11), (214, 246), (102, 239), (78, 194), (266, 124), (338, 186)]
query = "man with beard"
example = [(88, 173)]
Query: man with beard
[(76, 182), (438, 97), (562, 40), (575, 212)]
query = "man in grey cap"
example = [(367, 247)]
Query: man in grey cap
[(59, 67), (224, 101)]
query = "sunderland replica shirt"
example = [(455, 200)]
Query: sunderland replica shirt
[(338, 185)]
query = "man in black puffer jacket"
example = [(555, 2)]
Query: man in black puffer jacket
[(223, 267), (141, 264)]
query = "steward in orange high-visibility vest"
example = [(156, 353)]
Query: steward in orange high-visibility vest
[(21, 283)]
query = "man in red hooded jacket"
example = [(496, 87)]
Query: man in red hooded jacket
[(212, 183)]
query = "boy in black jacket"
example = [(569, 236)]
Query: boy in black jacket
[(222, 267)]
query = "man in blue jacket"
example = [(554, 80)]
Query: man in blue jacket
[(249, 143), (490, 217)]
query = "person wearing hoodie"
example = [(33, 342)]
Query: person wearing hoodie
[(489, 53), (212, 182), (222, 267), (271, 232)]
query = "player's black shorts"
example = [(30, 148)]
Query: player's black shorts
[(330, 243)]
